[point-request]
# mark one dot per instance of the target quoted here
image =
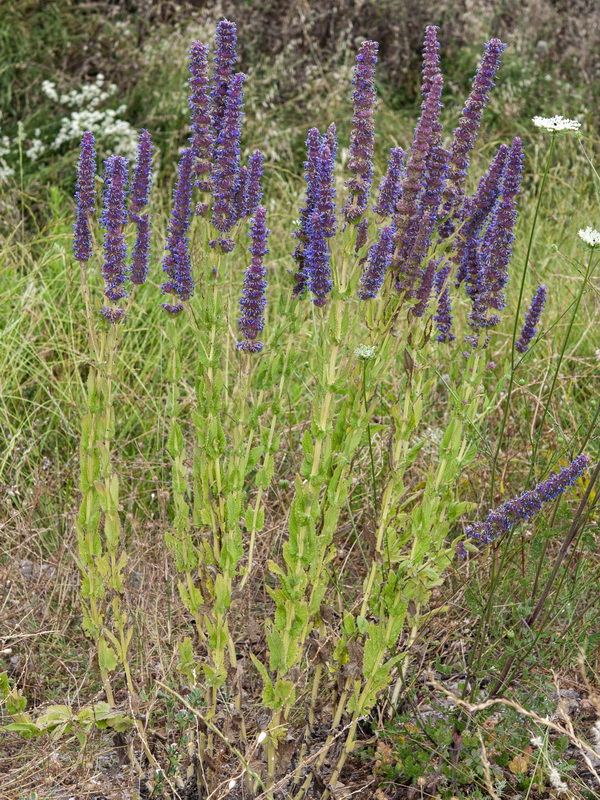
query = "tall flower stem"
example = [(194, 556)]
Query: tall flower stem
[(517, 318), (563, 349)]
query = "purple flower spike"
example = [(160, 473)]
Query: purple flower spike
[(241, 193), (85, 196), (431, 58), (443, 317), (225, 61), (325, 188), (467, 131), (140, 186), (140, 192), (378, 261), (179, 223), (390, 187), (226, 167), (321, 223), (496, 245), (255, 174), (407, 217), (527, 504), (140, 258), (425, 288), (184, 283), (363, 132), (531, 320), (475, 213), (201, 140), (313, 147), (317, 260), (362, 234), (113, 219), (253, 302), (411, 271)]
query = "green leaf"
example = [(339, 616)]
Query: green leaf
[(107, 658)]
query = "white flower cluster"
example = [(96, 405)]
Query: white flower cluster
[(556, 124), (6, 172), (88, 116), (36, 148), (590, 236), (364, 352)]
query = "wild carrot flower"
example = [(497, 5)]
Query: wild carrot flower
[(531, 320), (174, 263), (201, 140), (363, 132), (225, 61), (113, 220), (390, 186), (467, 131), (557, 124), (378, 261), (226, 167), (85, 195), (253, 302), (590, 236), (443, 317), (528, 503)]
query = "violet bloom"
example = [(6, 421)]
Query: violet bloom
[(325, 183), (241, 193), (253, 302), (363, 132), (496, 245), (322, 226), (443, 317), (317, 261), (531, 320), (113, 220), (467, 131), (85, 196), (177, 231), (362, 234), (225, 61), (140, 258), (140, 186), (475, 214), (226, 167), (390, 187), (313, 147), (407, 217), (425, 288), (255, 174), (528, 503), (431, 58), (140, 192), (378, 261), (201, 140)]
